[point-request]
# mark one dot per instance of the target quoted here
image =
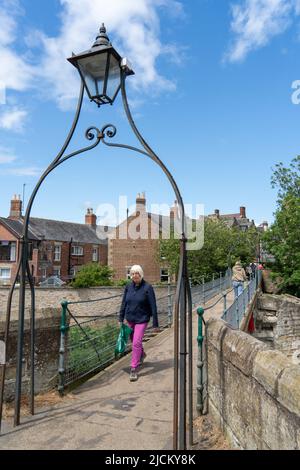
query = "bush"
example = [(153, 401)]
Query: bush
[(92, 349), (122, 282), (92, 275)]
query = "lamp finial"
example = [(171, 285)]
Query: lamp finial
[(102, 39)]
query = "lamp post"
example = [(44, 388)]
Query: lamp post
[(103, 73)]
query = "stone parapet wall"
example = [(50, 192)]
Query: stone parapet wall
[(47, 341), (277, 322), (52, 297), (254, 393)]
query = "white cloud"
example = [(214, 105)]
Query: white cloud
[(256, 22), (8, 162), (13, 119), (15, 73), (6, 155), (133, 27), (26, 171)]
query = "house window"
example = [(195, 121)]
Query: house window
[(56, 272), (4, 273), (164, 275), (77, 250), (57, 252), (7, 251), (95, 254), (44, 273)]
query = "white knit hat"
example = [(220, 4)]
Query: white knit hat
[(136, 268)]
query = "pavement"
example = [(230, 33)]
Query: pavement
[(109, 412)]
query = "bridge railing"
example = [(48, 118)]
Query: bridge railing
[(87, 342), (89, 332), (237, 310), (233, 315)]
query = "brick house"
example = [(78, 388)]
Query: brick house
[(136, 241), (55, 248), (239, 220)]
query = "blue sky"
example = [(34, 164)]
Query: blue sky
[(212, 95)]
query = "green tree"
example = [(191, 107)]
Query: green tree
[(93, 274), (222, 247), (283, 238)]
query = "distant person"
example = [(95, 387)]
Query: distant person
[(249, 272), (238, 278), (138, 305), (260, 267), (253, 268)]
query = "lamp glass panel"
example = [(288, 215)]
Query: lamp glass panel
[(93, 71), (114, 77)]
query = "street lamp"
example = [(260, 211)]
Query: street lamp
[(103, 73), (100, 69)]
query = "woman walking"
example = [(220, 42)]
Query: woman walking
[(138, 305)]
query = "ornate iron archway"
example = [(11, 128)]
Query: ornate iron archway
[(100, 64)]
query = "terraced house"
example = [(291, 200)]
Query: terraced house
[(56, 248)]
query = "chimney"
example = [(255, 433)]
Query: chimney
[(174, 210), (141, 203), (243, 212), (90, 218), (15, 207), (217, 213)]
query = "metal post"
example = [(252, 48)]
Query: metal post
[(244, 300), (63, 329), (169, 303), (190, 361), (182, 358), (32, 339), (18, 386), (224, 302), (220, 282), (237, 313), (213, 281), (200, 312)]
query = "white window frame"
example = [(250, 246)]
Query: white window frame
[(164, 275), (95, 253), (1, 273), (57, 253), (77, 250)]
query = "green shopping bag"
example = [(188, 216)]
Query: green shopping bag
[(125, 332)]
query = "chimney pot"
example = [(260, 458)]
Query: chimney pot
[(90, 218), (15, 208), (243, 212), (141, 203)]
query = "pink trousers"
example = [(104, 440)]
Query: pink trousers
[(137, 342)]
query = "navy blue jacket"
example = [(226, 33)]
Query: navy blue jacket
[(139, 304)]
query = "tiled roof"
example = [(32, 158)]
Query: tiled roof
[(16, 226), (57, 230)]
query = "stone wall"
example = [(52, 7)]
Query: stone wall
[(52, 297), (47, 340), (254, 393), (277, 322)]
